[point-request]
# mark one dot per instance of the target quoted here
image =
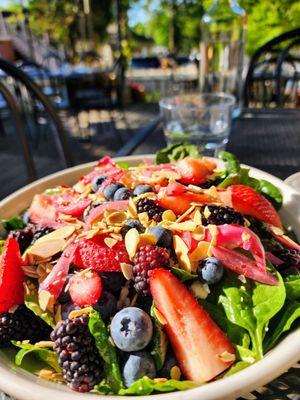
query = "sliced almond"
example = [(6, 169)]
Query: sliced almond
[(132, 239), (169, 174), (134, 299), (87, 234), (276, 231), (184, 215), (175, 373), (199, 290), (144, 218), (200, 253), (227, 357), (44, 343), (47, 249), (197, 218), (146, 238), (206, 212), (110, 242), (76, 313), (132, 210), (242, 278), (117, 217), (214, 232), (30, 271), (179, 245), (60, 233), (185, 262), (169, 215), (199, 233), (57, 315), (160, 380), (185, 226), (117, 236), (195, 189), (127, 271), (212, 191), (79, 187), (158, 315), (45, 299)]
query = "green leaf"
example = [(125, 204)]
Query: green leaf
[(232, 163), (159, 342), (282, 323), (292, 286), (239, 366), (123, 165), (176, 152), (107, 351), (2, 242), (183, 275), (48, 356), (53, 191), (13, 223), (31, 300), (146, 386)]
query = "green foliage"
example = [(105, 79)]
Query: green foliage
[(176, 152), (31, 300), (13, 223)]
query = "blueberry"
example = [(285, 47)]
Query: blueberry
[(110, 190), (141, 189), (122, 194), (64, 296), (132, 223), (164, 236), (131, 329), (112, 281), (210, 270), (97, 182), (66, 308), (106, 305), (138, 364)]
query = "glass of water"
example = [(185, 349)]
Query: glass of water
[(201, 119)]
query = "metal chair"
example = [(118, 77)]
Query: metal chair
[(274, 73)]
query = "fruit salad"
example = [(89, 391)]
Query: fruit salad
[(154, 278)]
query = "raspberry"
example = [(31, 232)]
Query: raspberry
[(23, 324), (290, 257), (23, 237), (151, 208), (221, 215), (77, 353), (147, 258)]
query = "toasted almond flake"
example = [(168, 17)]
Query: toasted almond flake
[(168, 215), (169, 174), (199, 290), (245, 237), (144, 218), (185, 226), (175, 373), (45, 299), (206, 212), (76, 313), (134, 299), (47, 249), (179, 245), (276, 231), (199, 233), (24, 342), (197, 218), (132, 239), (242, 278), (87, 234), (57, 315), (60, 233), (79, 187), (30, 271), (110, 242), (185, 262), (117, 217), (44, 343), (127, 270), (246, 222), (226, 356), (212, 191), (200, 252), (160, 380), (116, 236), (50, 375), (132, 210), (214, 232), (195, 189), (146, 238), (184, 215), (160, 318)]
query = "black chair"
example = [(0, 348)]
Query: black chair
[(274, 73), (16, 78)]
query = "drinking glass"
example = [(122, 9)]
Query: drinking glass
[(201, 119)]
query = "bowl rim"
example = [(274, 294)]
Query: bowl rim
[(25, 386)]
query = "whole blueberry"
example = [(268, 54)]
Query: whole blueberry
[(122, 194), (210, 270), (131, 329), (106, 305), (66, 308), (164, 236), (141, 189), (132, 223), (111, 189), (64, 296), (112, 281), (97, 182), (138, 364)]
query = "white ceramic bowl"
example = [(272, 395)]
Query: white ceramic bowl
[(25, 386)]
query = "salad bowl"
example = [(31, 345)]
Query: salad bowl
[(25, 386)]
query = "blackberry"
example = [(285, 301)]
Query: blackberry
[(291, 257), (23, 324), (24, 237), (77, 353), (39, 232), (147, 258), (151, 208), (221, 215)]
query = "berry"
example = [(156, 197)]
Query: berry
[(90, 208), (23, 324), (291, 257), (218, 215), (194, 171), (66, 308), (85, 289), (112, 281), (122, 194), (39, 232), (106, 305), (131, 329), (77, 353), (132, 223), (210, 271), (141, 189), (23, 237), (146, 259), (138, 364), (110, 190), (97, 182), (64, 296), (164, 236), (151, 208)]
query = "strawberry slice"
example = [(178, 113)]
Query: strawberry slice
[(75, 209), (194, 171), (11, 276), (242, 265), (94, 253), (182, 202), (85, 288), (175, 189), (247, 201), (284, 239), (198, 343), (42, 211)]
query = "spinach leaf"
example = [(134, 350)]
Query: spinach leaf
[(13, 223), (183, 275), (123, 165), (31, 300), (239, 366), (282, 323), (113, 377), (48, 356), (292, 286), (159, 342), (232, 163), (146, 386), (176, 152)]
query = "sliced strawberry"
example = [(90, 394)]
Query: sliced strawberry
[(75, 208), (94, 253), (180, 203), (284, 239), (58, 275), (98, 211), (197, 341), (85, 289), (189, 240), (11, 276), (194, 171), (247, 201), (42, 211), (242, 265), (175, 189)]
